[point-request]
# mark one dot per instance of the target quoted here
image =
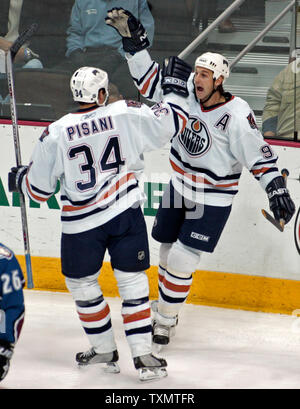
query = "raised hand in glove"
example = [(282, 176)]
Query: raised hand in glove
[(280, 201), (15, 178), (134, 36), (175, 74), (6, 352)]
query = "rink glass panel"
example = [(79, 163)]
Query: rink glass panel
[(44, 94)]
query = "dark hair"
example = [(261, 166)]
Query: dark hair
[(221, 89)]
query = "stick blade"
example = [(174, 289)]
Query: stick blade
[(278, 225)]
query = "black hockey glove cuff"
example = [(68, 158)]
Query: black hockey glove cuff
[(133, 33), (175, 75), (280, 201), (15, 178), (6, 352)]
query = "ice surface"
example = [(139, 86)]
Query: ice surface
[(213, 348)]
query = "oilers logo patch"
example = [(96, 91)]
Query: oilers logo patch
[(297, 231), (195, 138)]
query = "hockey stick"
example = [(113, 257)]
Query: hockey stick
[(278, 224), (10, 56)]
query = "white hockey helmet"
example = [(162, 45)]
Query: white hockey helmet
[(214, 62), (86, 83)]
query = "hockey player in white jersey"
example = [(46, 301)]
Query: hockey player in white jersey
[(207, 159), (97, 154)]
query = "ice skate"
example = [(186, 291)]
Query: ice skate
[(150, 367), (91, 357), (162, 332)]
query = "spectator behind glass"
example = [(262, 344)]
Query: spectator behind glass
[(226, 26), (280, 112), (90, 42), (25, 58)]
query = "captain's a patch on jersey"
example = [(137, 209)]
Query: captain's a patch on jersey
[(133, 104), (44, 134), (251, 121)]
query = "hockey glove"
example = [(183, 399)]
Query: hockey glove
[(6, 352), (134, 36), (175, 74), (15, 178), (281, 203)]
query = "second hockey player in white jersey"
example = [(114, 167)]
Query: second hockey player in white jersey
[(97, 155), (207, 159)]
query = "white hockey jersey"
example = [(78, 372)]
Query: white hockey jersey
[(207, 158), (97, 155)]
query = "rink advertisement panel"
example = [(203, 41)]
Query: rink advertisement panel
[(250, 249), (226, 290)]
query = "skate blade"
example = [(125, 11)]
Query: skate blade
[(152, 374), (112, 367), (81, 365)]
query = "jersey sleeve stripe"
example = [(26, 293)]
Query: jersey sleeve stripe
[(34, 196), (264, 170), (259, 163), (37, 190), (142, 79), (146, 85)]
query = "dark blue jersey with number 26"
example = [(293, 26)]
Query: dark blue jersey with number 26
[(11, 296)]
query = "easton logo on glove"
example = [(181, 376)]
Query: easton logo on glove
[(278, 192), (281, 203)]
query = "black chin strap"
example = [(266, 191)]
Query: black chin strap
[(210, 95)]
